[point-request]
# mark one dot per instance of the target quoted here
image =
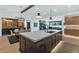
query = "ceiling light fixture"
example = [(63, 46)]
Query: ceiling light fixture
[(54, 10), (38, 16), (50, 18), (69, 6), (37, 7)]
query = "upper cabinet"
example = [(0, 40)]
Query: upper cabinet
[(12, 23), (74, 20), (9, 23)]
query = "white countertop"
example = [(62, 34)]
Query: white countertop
[(38, 35)]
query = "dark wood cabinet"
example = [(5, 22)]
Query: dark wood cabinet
[(22, 44), (73, 20), (53, 41), (72, 23), (43, 46), (73, 32)]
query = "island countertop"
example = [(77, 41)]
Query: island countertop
[(37, 35)]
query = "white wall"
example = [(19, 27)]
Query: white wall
[(32, 25), (25, 24)]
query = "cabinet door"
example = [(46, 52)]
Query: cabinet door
[(74, 20), (53, 41), (57, 38), (60, 37), (30, 46), (44, 46), (41, 47), (26, 46), (49, 43), (22, 44)]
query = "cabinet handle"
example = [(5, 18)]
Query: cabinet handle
[(42, 45)]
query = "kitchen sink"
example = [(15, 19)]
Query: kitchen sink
[(50, 31)]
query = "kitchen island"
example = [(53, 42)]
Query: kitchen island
[(39, 41)]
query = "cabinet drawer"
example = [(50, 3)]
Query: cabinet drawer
[(41, 46), (44, 45)]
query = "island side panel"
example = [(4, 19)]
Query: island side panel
[(26, 45), (22, 44), (45, 45)]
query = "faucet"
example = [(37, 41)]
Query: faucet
[(47, 27)]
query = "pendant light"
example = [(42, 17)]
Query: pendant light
[(50, 18), (38, 16)]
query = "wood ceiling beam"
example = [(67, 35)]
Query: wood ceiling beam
[(27, 8)]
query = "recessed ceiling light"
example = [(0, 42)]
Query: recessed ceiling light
[(37, 7), (69, 6), (17, 10), (54, 10)]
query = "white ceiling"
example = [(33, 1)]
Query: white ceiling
[(12, 11), (57, 10)]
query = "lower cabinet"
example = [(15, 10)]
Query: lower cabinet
[(58, 37), (43, 46), (26, 45), (53, 41), (22, 44)]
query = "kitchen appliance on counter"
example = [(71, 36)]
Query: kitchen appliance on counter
[(55, 25), (42, 24)]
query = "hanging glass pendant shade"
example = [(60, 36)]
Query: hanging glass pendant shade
[(38, 16), (50, 18)]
